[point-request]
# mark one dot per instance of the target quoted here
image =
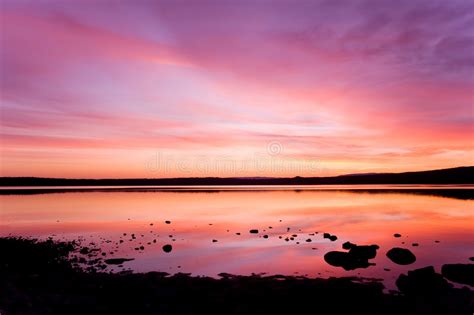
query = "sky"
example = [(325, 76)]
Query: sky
[(96, 89)]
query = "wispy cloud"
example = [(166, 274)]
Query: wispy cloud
[(354, 85)]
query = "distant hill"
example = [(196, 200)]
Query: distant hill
[(458, 175)]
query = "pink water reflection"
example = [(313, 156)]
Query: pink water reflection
[(199, 217)]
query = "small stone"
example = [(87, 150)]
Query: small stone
[(167, 248), (117, 261), (348, 245)]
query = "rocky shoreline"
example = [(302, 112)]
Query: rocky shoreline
[(41, 277)]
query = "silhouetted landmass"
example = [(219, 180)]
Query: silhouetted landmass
[(38, 277), (458, 175)]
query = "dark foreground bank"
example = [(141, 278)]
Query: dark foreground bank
[(42, 277)]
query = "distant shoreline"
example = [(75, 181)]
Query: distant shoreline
[(458, 175)]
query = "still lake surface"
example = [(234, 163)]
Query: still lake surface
[(440, 219)]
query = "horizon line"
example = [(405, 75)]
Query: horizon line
[(238, 177)]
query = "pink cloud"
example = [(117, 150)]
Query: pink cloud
[(363, 84)]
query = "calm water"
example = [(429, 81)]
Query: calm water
[(362, 215)]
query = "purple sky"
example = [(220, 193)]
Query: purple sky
[(101, 88)]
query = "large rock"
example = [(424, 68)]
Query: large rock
[(423, 281), (401, 256), (364, 251), (459, 273), (357, 257)]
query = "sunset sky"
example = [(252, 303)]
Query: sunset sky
[(97, 89)]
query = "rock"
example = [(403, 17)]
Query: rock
[(254, 231), (397, 235), (84, 250), (401, 256), (265, 236), (168, 222), (414, 244), (423, 281), (238, 233), (348, 245), (117, 261), (167, 248), (364, 251), (309, 240), (330, 237), (459, 273), (345, 260), (471, 258), (214, 241), (357, 257)]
